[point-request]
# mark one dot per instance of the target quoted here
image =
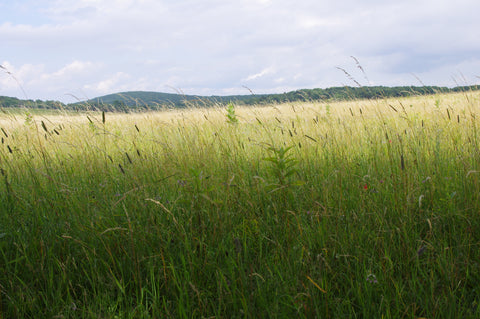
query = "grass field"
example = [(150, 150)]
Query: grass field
[(363, 209)]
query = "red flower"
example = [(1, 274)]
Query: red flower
[(365, 187)]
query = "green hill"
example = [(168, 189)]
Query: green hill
[(153, 100), (141, 100)]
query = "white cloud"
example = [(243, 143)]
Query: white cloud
[(40, 82), (73, 69), (106, 85), (217, 46), (259, 74)]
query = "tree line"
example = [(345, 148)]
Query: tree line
[(353, 93), (126, 103)]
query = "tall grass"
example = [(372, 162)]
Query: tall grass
[(352, 209)]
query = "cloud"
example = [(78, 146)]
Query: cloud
[(217, 46), (73, 69), (38, 81), (260, 74), (106, 85)]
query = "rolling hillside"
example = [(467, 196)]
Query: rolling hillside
[(143, 98), (126, 101), (140, 99)]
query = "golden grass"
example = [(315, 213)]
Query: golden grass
[(420, 105)]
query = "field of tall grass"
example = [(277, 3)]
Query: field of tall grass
[(366, 209)]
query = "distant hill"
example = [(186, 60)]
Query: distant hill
[(154, 100), (138, 98), (141, 100)]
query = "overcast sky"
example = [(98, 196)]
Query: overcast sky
[(87, 48)]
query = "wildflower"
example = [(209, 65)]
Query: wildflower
[(181, 182), (365, 187), (421, 251), (371, 278)]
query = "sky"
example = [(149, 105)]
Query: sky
[(71, 50)]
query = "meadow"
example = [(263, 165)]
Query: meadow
[(364, 209)]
